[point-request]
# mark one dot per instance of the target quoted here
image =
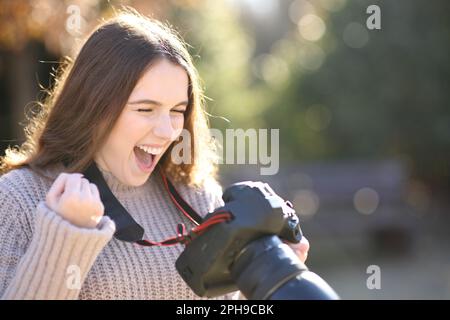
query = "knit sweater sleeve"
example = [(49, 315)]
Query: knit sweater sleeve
[(54, 261)]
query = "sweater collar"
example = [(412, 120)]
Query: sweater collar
[(121, 189)]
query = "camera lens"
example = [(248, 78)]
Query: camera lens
[(268, 269)]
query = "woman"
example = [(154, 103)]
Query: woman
[(122, 104)]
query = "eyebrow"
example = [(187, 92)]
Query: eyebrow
[(157, 103)]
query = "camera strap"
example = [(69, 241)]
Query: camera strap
[(127, 229)]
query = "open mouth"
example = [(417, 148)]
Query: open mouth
[(145, 157)]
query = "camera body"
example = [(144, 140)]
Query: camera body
[(206, 264)]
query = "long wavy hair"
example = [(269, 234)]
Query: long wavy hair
[(91, 90)]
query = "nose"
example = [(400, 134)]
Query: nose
[(163, 128)]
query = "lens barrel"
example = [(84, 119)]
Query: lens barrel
[(267, 269)]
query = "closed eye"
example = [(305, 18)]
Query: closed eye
[(150, 110)]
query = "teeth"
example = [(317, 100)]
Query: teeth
[(150, 150)]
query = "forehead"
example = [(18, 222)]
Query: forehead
[(163, 81)]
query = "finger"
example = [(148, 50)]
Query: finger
[(74, 183), (56, 189), (94, 190), (85, 188), (96, 195), (58, 185), (303, 256), (301, 249), (304, 244)]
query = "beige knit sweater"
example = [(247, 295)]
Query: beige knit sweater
[(43, 256)]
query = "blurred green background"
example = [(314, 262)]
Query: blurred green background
[(363, 116)]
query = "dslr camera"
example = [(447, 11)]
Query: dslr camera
[(248, 252)]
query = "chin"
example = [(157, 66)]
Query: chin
[(137, 182)]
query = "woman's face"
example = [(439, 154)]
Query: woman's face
[(150, 121)]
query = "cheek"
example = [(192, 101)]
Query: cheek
[(178, 125), (131, 126), (126, 132)]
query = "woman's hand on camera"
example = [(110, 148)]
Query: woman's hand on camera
[(301, 249), (76, 199)]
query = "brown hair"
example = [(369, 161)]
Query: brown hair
[(90, 93)]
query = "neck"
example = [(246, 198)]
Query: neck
[(118, 187)]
